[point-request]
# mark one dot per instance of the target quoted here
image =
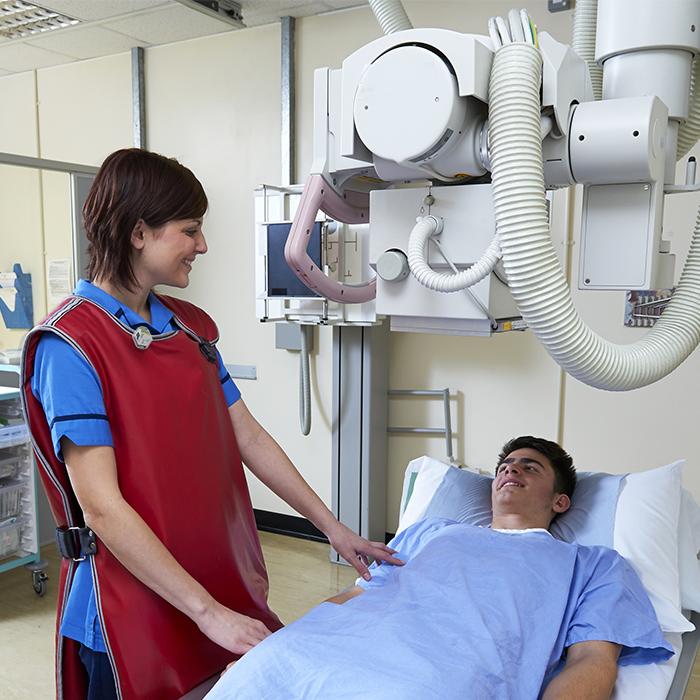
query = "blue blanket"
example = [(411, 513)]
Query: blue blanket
[(474, 613)]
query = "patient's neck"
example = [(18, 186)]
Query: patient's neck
[(519, 521)]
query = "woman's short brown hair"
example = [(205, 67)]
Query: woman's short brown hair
[(132, 185)]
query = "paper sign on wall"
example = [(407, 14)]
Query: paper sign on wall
[(58, 280), (8, 293)]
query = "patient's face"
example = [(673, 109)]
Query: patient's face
[(524, 484)]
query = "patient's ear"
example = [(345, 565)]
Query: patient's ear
[(561, 503)]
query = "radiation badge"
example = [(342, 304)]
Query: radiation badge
[(142, 338)]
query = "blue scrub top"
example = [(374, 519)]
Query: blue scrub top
[(76, 410)]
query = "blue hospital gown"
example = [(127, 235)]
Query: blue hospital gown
[(474, 613)]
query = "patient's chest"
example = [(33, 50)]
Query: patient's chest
[(486, 583)]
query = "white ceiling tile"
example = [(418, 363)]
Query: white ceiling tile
[(87, 42), (17, 57), (270, 6), (114, 26), (91, 10), (336, 5), (173, 23)]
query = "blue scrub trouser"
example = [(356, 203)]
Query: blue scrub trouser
[(101, 679)]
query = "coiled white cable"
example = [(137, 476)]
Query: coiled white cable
[(532, 268), (445, 281), (304, 382), (585, 18)]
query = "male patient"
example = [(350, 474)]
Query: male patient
[(501, 612)]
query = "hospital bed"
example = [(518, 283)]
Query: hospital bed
[(686, 659), (681, 677), (605, 509)]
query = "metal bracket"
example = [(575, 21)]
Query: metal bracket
[(643, 308)]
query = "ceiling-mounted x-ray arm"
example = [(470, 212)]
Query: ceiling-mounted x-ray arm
[(350, 208)]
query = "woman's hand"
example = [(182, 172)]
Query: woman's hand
[(357, 551), (231, 630), (228, 668)]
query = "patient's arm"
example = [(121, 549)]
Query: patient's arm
[(589, 674), (345, 595)]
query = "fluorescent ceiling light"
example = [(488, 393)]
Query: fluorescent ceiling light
[(19, 18)]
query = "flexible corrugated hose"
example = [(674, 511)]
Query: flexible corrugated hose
[(445, 281), (585, 17), (534, 275), (689, 131), (391, 15)]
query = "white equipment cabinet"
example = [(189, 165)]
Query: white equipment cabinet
[(19, 530)]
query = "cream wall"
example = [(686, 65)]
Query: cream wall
[(20, 201), (77, 113), (214, 104), (22, 237), (85, 109)]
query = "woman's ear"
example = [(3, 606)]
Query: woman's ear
[(561, 504), (137, 235)]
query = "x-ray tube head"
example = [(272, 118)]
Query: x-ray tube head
[(408, 112)]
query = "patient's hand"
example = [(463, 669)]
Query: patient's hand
[(345, 595), (231, 630)]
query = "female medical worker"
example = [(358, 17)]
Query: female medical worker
[(139, 432)]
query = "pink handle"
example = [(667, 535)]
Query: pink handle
[(351, 209)]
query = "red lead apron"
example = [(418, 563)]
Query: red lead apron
[(179, 467)]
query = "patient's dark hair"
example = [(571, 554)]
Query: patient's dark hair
[(563, 465)]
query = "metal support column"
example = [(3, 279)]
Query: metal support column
[(288, 152), (360, 379), (138, 97)]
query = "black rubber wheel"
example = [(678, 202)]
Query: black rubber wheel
[(39, 579)]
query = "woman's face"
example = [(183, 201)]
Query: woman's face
[(165, 255)]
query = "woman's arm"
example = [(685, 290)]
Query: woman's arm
[(266, 459), (93, 475)]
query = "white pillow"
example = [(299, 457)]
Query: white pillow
[(421, 480), (688, 548), (648, 681), (443, 491), (646, 534)]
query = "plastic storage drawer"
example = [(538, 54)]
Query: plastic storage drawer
[(9, 466), (10, 500), (12, 435), (9, 538)]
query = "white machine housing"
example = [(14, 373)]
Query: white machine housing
[(410, 109), (410, 106), (468, 213)]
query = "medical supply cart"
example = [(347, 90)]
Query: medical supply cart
[(19, 525)]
